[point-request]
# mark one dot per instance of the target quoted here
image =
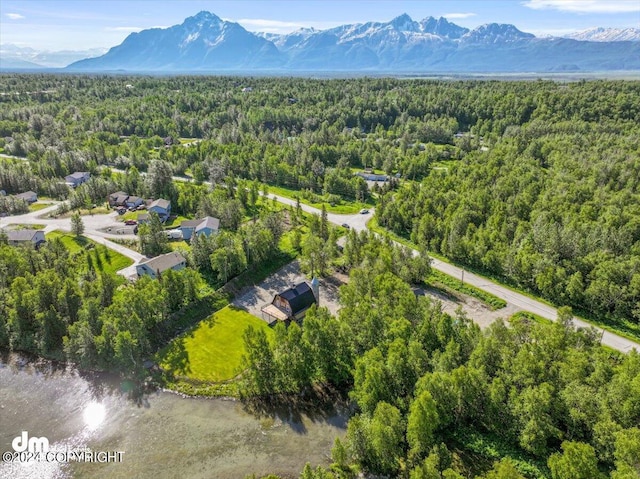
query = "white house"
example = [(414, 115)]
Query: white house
[(155, 266), (161, 207), (77, 178), (25, 237)]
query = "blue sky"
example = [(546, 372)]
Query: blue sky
[(83, 24)]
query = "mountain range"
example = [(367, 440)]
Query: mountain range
[(206, 43), (14, 56)]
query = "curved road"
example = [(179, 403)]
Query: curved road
[(358, 222), (93, 226), (515, 300)]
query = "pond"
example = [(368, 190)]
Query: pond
[(161, 434)]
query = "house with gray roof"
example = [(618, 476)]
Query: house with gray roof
[(77, 178), (28, 196), (161, 207), (203, 226), (119, 198), (25, 237), (133, 202), (154, 267)]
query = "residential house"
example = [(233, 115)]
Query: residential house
[(119, 198), (372, 176), (25, 237), (156, 266), (205, 226), (133, 202), (162, 208), (291, 304), (28, 196), (77, 178)]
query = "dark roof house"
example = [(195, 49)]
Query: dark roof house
[(291, 304)]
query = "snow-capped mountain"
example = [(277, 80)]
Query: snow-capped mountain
[(201, 42), (495, 33), (204, 42), (600, 34), (30, 58)]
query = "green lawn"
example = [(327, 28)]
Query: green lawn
[(174, 221), (104, 259), (179, 245), (26, 226), (442, 280), (344, 207), (213, 350), (37, 206)]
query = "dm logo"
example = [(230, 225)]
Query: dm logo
[(24, 443)]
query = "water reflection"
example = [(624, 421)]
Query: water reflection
[(162, 434), (93, 415)]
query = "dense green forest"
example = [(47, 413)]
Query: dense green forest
[(536, 182), (438, 398), (64, 305)]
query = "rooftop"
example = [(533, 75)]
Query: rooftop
[(300, 297), (164, 262), (21, 235), (161, 203)]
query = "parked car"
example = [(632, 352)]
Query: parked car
[(121, 210), (346, 226), (364, 211), (130, 222)]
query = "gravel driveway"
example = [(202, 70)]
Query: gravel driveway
[(252, 299)]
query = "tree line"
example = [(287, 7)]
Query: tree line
[(431, 389)]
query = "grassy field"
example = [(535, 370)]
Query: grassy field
[(20, 226), (344, 207), (104, 259), (38, 206), (174, 221), (442, 280), (213, 350)]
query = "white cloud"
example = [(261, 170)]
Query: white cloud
[(458, 15), (123, 29), (15, 16), (585, 6)]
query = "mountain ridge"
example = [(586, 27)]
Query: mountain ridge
[(205, 42)]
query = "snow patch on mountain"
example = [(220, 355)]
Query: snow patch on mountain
[(599, 34)]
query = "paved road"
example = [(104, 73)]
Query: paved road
[(515, 301), (93, 226)]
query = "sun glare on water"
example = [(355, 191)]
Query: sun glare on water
[(94, 415)]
